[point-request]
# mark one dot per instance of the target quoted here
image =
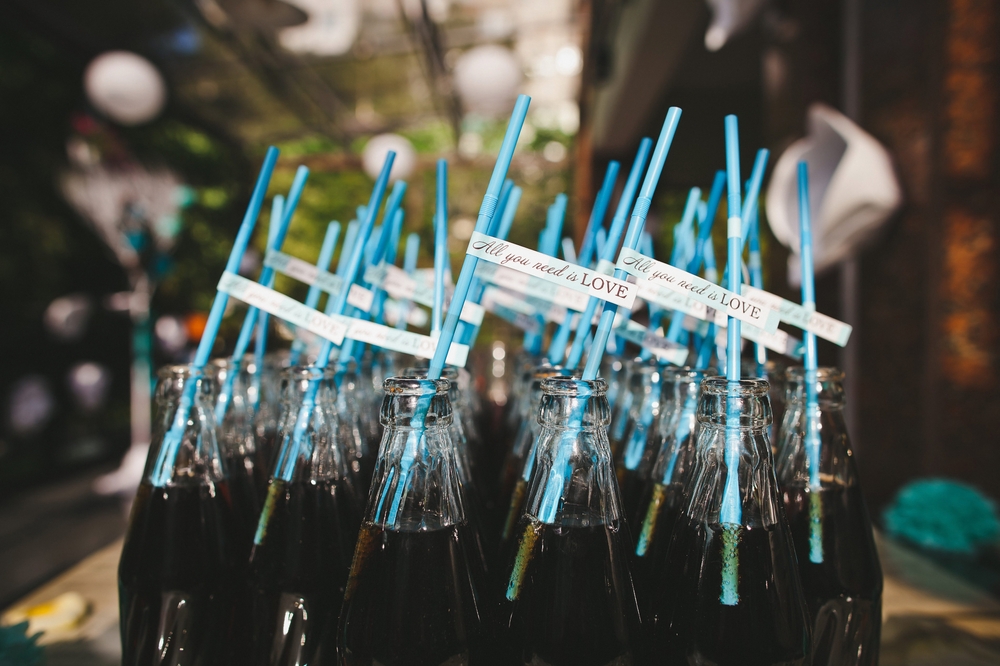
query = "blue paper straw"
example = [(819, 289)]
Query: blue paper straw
[(390, 258), (548, 243), (560, 470), (410, 266), (167, 455), (812, 437), (440, 246), (260, 340), (350, 236), (486, 210), (267, 275), (501, 232), (600, 238), (608, 249), (731, 511), (375, 250), (312, 298), (338, 302), (635, 229), (754, 263)]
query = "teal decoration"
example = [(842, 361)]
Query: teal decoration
[(19, 649), (943, 515)]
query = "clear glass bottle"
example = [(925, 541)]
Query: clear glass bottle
[(355, 434), (268, 413), (666, 484), (831, 528), (237, 441), (471, 495), (621, 409), (729, 593), (567, 596), (414, 595), (179, 566), (641, 442), (520, 459), (305, 536)]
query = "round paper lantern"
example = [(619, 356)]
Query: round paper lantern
[(125, 87), (373, 156), (487, 79)]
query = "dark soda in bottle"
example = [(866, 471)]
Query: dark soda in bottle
[(831, 528), (414, 595), (305, 537), (567, 596), (179, 566), (729, 591)]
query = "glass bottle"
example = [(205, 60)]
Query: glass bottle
[(621, 409), (518, 465), (355, 435), (831, 528), (414, 595), (567, 596), (179, 565), (268, 414), (472, 498), (666, 484), (641, 442), (305, 537), (729, 593), (234, 416)]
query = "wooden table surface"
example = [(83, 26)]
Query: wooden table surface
[(930, 616)]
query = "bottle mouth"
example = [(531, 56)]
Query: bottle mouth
[(420, 372), (183, 372), (415, 386), (571, 386), (745, 388), (307, 373), (797, 373), (688, 374)]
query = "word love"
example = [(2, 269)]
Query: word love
[(712, 295), (805, 318), (283, 307), (551, 269), (303, 271)]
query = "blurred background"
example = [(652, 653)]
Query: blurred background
[(131, 133)]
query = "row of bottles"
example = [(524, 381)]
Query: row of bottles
[(574, 529)]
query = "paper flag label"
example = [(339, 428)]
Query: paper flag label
[(524, 321), (283, 307), (825, 327), (472, 313), (712, 295), (653, 341), (605, 267), (529, 305), (551, 269), (421, 346), (779, 341), (403, 287), (312, 275), (672, 300), (532, 286)]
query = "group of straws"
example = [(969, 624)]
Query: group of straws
[(363, 247)]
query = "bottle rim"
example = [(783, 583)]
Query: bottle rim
[(399, 386), (797, 373), (307, 373), (573, 386), (746, 388), (184, 371)]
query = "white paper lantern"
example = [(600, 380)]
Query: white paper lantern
[(373, 156), (487, 79), (125, 87)]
